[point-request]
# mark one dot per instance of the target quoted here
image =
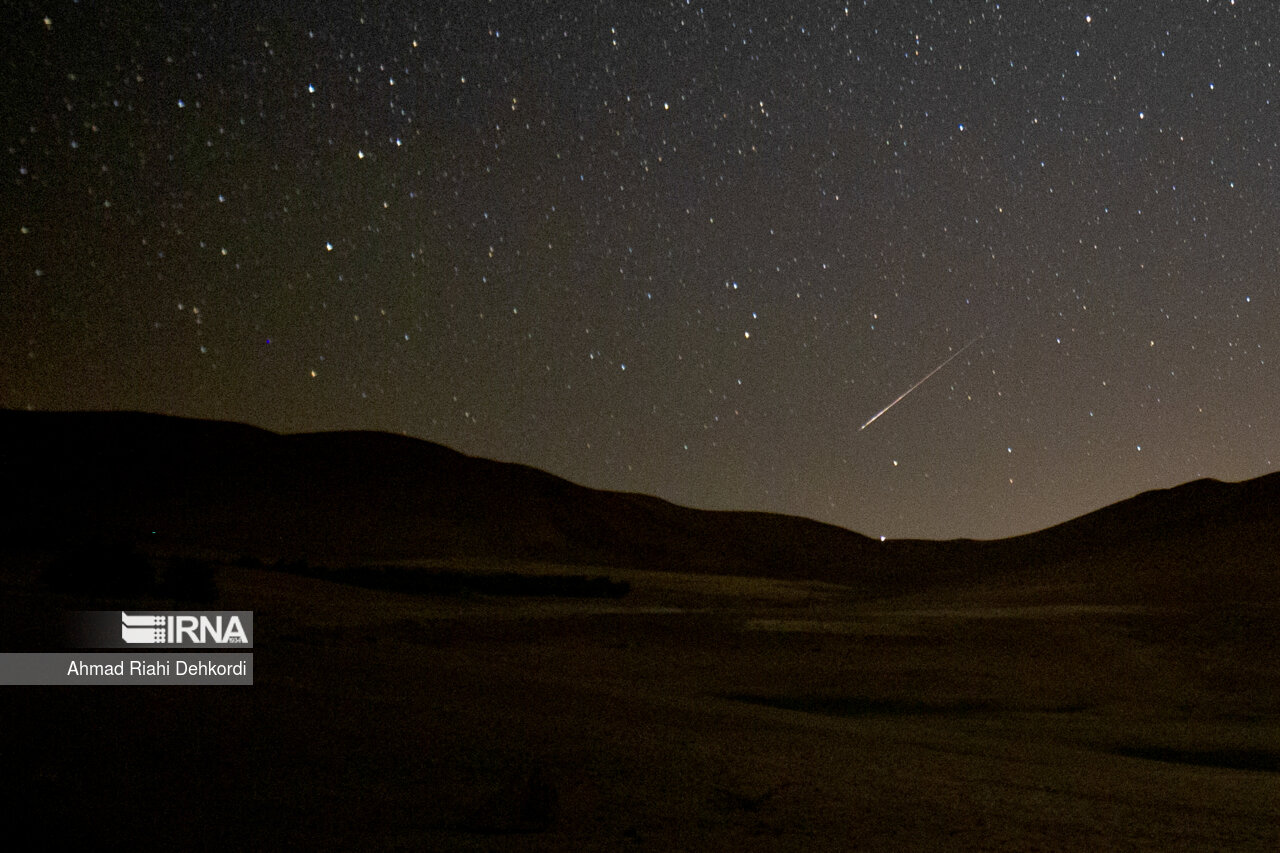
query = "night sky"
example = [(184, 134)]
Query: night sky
[(680, 248)]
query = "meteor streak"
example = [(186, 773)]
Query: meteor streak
[(918, 384)]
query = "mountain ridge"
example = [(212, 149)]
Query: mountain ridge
[(362, 496), (353, 495)]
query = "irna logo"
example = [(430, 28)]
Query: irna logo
[(182, 629)]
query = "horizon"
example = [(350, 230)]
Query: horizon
[(677, 503)]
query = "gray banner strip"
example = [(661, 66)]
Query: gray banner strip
[(53, 668)]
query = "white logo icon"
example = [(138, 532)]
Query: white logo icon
[(179, 628), (143, 629)]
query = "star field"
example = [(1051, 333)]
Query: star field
[(683, 249)]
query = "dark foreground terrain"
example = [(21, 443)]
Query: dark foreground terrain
[(695, 712), (457, 654)]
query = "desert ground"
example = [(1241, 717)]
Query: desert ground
[(697, 712)]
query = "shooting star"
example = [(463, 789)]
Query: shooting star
[(918, 384)]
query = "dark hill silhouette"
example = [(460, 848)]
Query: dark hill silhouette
[(236, 489), (1200, 541), (1196, 508), (182, 484)]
